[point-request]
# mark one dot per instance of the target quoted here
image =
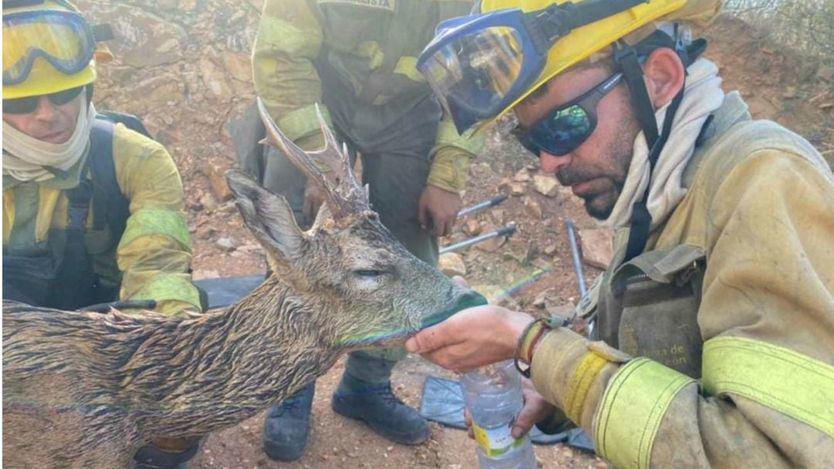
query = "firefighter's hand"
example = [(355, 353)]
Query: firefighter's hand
[(471, 338), (313, 198), (534, 411), (438, 210)]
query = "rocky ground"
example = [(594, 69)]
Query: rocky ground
[(183, 66)]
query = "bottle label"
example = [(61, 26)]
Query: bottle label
[(496, 441)]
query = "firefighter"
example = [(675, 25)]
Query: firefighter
[(714, 324), (355, 60)]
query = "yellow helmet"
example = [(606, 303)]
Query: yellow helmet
[(482, 65), (47, 47), (582, 43)]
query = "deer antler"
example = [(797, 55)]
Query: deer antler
[(341, 190)]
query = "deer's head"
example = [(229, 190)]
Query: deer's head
[(347, 267)]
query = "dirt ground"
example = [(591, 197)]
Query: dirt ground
[(183, 66)]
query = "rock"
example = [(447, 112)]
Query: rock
[(472, 227), (826, 74), (451, 264), (208, 234), (208, 202), (226, 244), (543, 264), (597, 246), (481, 171), (159, 89), (790, 92), (214, 79), (517, 188), (201, 274), (217, 183), (497, 216), (490, 245), (551, 248), (144, 39), (563, 311), (761, 106), (533, 208), (545, 185), (522, 176), (238, 66), (542, 298), (521, 252)]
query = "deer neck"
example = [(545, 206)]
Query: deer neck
[(225, 367)]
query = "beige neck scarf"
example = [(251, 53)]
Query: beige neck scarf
[(702, 96), (29, 159)]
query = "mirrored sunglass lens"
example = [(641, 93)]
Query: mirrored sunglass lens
[(63, 97), (20, 105), (563, 131)]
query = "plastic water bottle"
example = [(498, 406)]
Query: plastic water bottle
[(493, 398)]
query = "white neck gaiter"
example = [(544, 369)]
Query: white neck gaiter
[(28, 159), (702, 96)]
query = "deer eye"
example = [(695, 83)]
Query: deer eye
[(368, 273)]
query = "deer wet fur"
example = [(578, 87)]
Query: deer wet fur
[(87, 389)]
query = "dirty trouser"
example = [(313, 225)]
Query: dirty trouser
[(396, 182)]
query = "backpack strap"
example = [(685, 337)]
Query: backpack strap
[(128, 120), (111, 207)]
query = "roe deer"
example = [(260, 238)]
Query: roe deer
[(89, 389)]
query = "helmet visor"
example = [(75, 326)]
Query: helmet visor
[(61, 38), (475, 73)]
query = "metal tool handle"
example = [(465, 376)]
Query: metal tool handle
[(507, 230), (482, 205), (577, 261), (127, 304)]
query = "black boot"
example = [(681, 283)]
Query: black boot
[(169, 453), (380, 409), (287, 426)]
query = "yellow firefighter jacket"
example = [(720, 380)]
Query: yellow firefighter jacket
[(759, 215), (153, 256), (356, 59)]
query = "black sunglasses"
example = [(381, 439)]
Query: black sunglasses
[(30, 103), (565, 128)]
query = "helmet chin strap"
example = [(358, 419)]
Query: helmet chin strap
[(627, 58)]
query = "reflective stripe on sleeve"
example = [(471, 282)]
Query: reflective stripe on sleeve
[(779, 378), (148, 221), (633, 405)]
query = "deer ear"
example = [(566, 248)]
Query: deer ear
[(269, 217)]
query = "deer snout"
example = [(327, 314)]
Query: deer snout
[(463, 297)]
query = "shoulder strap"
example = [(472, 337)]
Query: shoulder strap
[(128, 120), (111, 207)]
